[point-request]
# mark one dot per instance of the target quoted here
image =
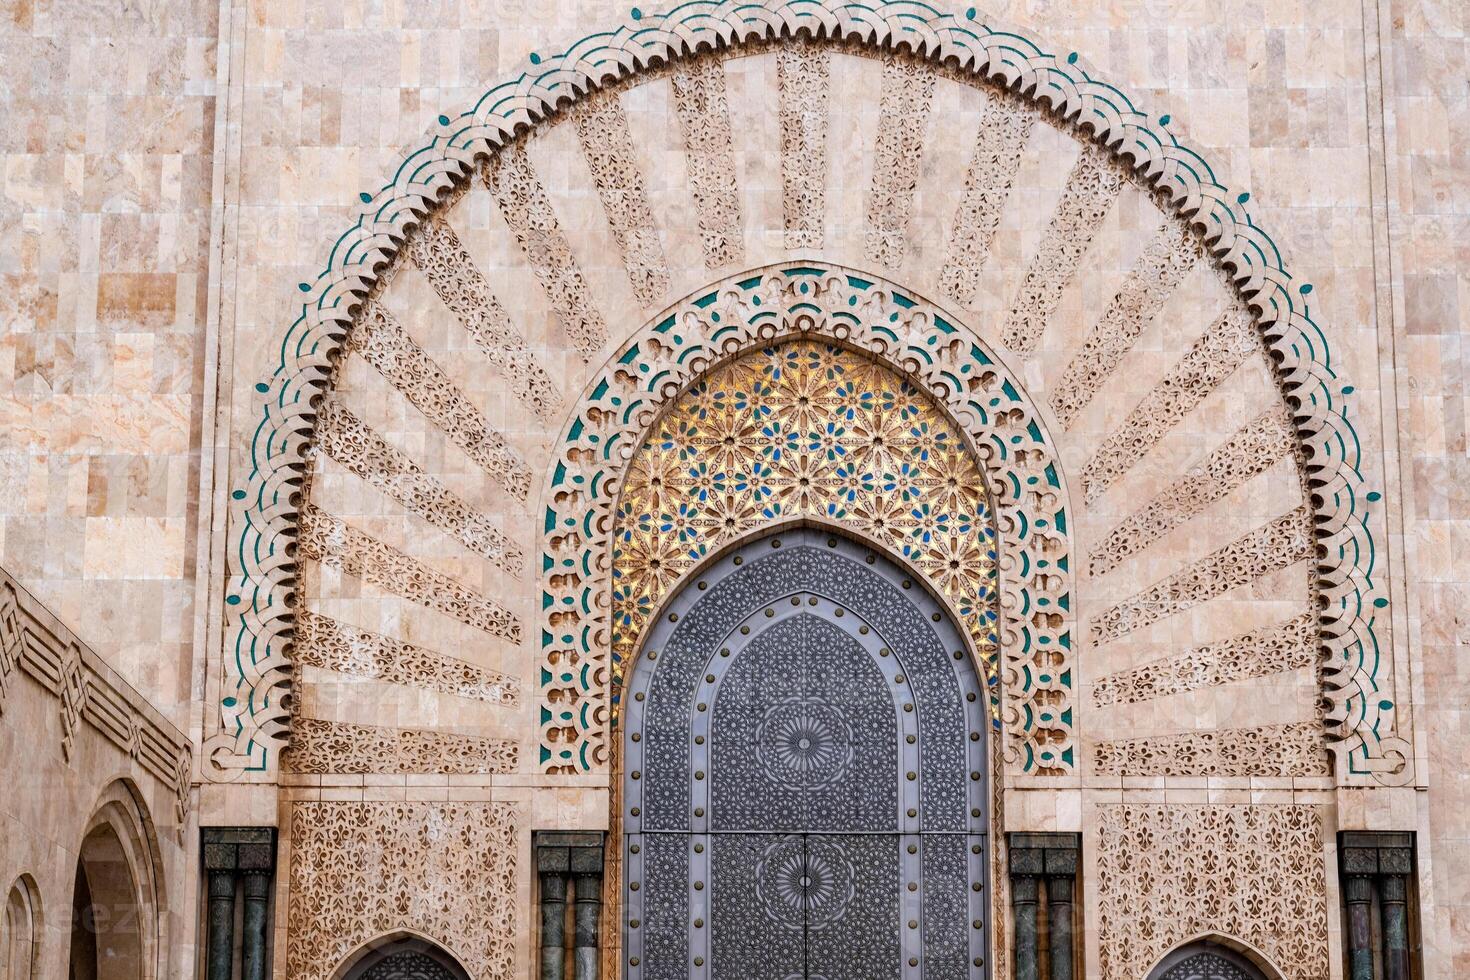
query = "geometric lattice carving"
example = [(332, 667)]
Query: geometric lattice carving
[(354, 444), (332, 645), (602, 128), (438, 253), (704, 117), (904, 104), (383, 342), (1252, 451), (529, 213), (322, 746), (1163, 265), (1271, 650), (1000, 143), (1269, 548), (803, 430), (337, 544), (804, 81), (364, 870), (1359, 711), (1226, 343), (1168, 873), (1089, 195), (1273, 750)]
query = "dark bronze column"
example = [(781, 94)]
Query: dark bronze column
[(587, 880), (1023, 911), (1043, 867), (1059, 891), (221, 941), (1393, 899), (575, 857), (252, 929), (240, 861), (553, 913), (1377, 878), (1358, 894)]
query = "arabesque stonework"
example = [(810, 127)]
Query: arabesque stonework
[(382, 378)]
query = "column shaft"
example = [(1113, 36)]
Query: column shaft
[(588, 911), (1394, 901), (221, 941), (1359, 890), (553, 925), (252, 940), (1023, 910), (1059, 925)]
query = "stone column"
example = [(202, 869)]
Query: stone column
[(575, 856), (252, 940), (230, 855), (1358, 894), (588, 884), (1394, 901), (1044, 866), (1059, 894), (553, 913), (221, 924), (1378, 864), (1023, 910)]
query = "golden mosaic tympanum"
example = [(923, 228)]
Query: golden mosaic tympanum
[(811, 431)]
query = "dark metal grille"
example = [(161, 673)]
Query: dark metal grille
[(408, 965), (1207, 963), (805, 790)]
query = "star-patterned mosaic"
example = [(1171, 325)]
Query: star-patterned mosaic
[(804, 430)]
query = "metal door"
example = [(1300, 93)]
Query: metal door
[(805, 787)]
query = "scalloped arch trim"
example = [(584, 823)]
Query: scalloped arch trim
[(252, 716)]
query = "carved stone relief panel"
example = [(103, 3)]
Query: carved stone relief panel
[(360, 871), (1167, 873)]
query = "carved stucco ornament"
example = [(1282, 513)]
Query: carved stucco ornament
[(252, 717)]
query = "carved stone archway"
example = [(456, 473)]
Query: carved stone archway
[(267, 509), (961, 391)]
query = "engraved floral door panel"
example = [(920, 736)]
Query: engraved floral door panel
[(804, 792)]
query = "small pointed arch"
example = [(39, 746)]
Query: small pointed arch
[(117, 891), (20, 931), (401, 955), (1214, 957)]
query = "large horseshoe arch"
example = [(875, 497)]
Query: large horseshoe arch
[(805, 789)]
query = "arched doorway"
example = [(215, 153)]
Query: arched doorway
[(1206, 960), (116, 900), (20, 938), (105, 940), (407, 958), (805, 790)]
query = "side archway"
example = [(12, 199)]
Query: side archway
[(116, 903), (20, 940)]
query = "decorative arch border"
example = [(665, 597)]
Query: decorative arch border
[(1227, 947), (381, 947), (264, 510), (819, 301)]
